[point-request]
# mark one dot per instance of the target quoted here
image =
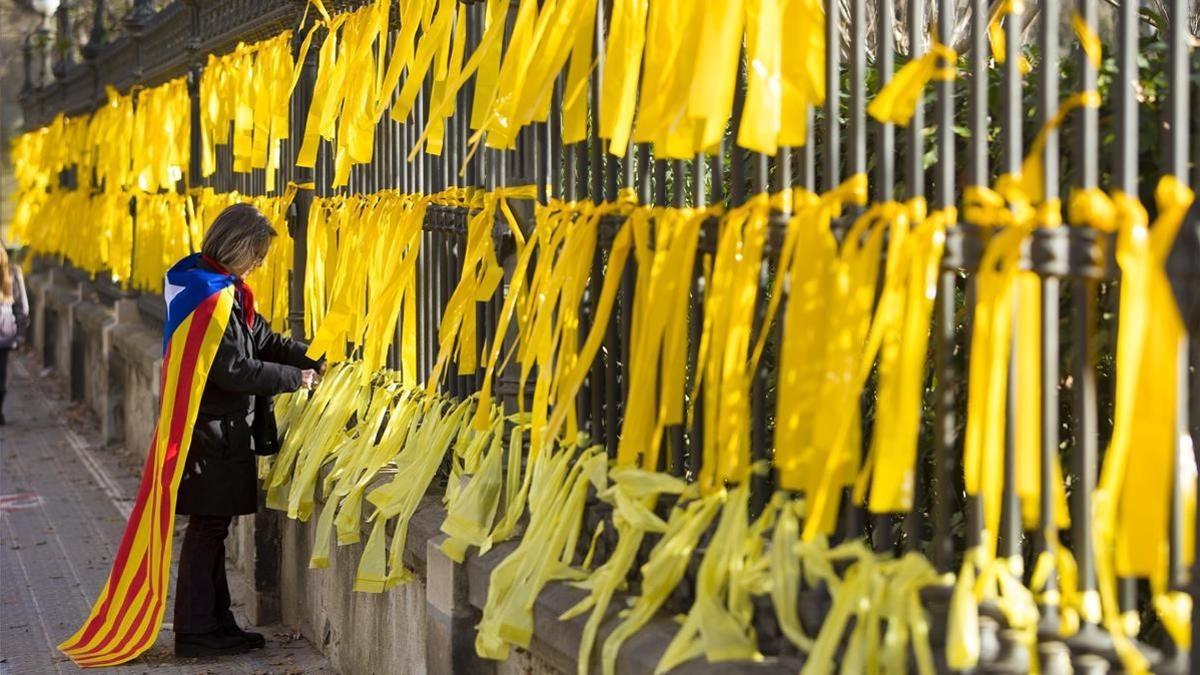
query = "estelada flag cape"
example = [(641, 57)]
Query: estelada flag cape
[(128, 613)]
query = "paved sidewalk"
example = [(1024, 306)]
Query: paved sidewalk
[(63, 503)]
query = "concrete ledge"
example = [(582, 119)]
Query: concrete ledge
[(444, 604)]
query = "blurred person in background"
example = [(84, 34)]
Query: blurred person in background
[(14, 317)]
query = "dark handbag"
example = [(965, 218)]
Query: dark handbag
[(264, 433)]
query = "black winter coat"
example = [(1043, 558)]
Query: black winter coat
[(235, 419)]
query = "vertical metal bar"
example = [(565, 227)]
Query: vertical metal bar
[(737, 155), (675, 435), (660, 183), (402, 183), (716, 172), (192, 178), (445, 172), (394, 150), (977, 152), (1178, 139), (645, 171), (858, 87), (570, 190), (452, 218), (596, 174), (404, 171), (695, 321), (784, 177), (574, 183), (853, 522), (1125, 173), (885, 133), (679, 183), (716, 195), (302, 203), (1194, 395), (1010, 130), (1047, 536), (570, 175), (610, 167), (807, 171), (944, 464), (783, 181), (429, 175), (760, 483), (914, 170), (446, 279), (627, 168), (554, 154), (1194, 420), (977, 175), (581, 165), (434, 291), (883, 187), (1085, 457), (622, 330), (831, 166)]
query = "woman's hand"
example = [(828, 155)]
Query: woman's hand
[(309, 379)]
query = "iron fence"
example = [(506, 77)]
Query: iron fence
[(965, 135)]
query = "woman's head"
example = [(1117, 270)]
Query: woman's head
[(239, 239)]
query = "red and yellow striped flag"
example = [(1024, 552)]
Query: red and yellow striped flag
[(125, 619)]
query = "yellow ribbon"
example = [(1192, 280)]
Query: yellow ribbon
[(996, 35), (897, 101), (1088, 40)]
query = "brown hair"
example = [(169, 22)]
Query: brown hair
[(239, 237), (6, 291)]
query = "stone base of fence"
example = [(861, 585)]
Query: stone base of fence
[(428, 624)]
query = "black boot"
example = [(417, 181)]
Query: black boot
[(253, 640), (213, 643)]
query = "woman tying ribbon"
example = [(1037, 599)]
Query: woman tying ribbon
[(222, 365), (234, 423)]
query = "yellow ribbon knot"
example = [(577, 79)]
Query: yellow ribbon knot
[(1091, 207)]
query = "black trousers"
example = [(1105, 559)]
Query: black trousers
[(202, 590), (3, 375)]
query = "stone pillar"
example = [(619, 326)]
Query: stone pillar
[(62, 297), (93, 324), (256, 553), (450, 619), (102, 374), (35, 288), (64, 39), (135, 360)]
